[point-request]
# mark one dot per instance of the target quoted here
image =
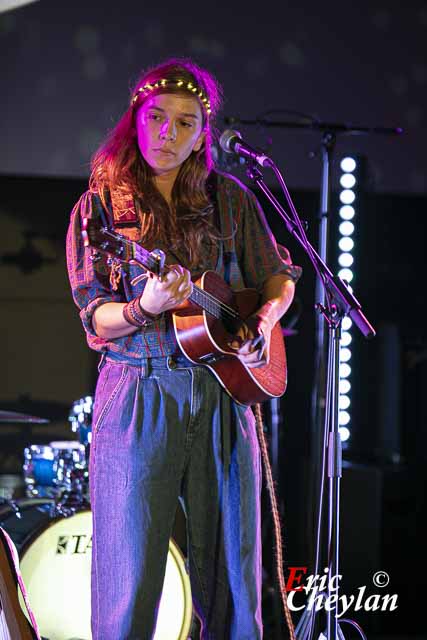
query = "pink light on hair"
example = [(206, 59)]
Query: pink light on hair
[(119, 165)]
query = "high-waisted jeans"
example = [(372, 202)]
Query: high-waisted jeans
[(161, 430)]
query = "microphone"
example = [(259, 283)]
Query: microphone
[(231, 142)]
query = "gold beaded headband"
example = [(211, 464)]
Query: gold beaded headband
[(177, 83)]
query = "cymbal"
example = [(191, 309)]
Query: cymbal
[(12, 417)]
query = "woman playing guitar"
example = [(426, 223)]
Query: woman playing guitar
[(164, 428)]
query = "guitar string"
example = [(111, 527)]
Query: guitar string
[(221, 305), (211, 298)]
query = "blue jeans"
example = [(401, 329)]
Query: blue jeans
[(162, 430)]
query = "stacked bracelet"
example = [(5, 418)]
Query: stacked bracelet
[(133, 314)]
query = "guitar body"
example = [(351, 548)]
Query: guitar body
[(11, 614), (204, 339)]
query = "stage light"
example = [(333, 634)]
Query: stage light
[(347, 212), (344, 402), (344, 433), (6, 5), (345, 370), (346, 324), (345, 354), (347, 196), (345, 386), (343, 418), (345, 259), (346, 243), (346, 228), (347, 180), (348, 164), (346, 274), (345, 338)]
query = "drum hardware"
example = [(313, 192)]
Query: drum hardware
[(80, 417), (12, 417), (12, 504), (53, 469), (60, 470), (14, 507), (12, 485), (70, 501), (72, 473)]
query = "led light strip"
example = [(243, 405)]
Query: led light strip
[(347, 212)]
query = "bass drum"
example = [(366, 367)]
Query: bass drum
[(55, 559)]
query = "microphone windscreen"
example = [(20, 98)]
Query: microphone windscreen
[(228, 140)]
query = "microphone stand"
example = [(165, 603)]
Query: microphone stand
[(329, 131), (319, 396), (318, 399), (339, 302), (315, 125)]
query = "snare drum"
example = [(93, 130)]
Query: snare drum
[(55, 559), (49, 469)]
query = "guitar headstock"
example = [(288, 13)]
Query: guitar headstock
[(117, 246), (104, 240)]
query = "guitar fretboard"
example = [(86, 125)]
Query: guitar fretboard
[(127, 250), (202, 298), (212, 305)]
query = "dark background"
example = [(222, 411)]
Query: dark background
[(67, 69), (65, 79)]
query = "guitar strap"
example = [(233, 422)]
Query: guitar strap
[(125, 215), (126, 221), (14, 555)]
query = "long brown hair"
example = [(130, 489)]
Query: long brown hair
[(118, 165)]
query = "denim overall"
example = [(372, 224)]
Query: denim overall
[(164, 429)]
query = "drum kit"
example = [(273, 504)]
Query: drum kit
[(52, 531)]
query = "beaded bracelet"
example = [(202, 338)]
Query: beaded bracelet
[(133, 314)]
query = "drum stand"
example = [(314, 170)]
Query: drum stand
[(339, 302)]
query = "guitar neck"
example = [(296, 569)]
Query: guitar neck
[(206, 301), (212, 305), (125, 250)]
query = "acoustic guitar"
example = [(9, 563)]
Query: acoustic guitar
[(206, 322), (13, 623)]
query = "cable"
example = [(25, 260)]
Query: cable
[(276, 520)]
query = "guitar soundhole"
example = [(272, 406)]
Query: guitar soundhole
[(231, 324)]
